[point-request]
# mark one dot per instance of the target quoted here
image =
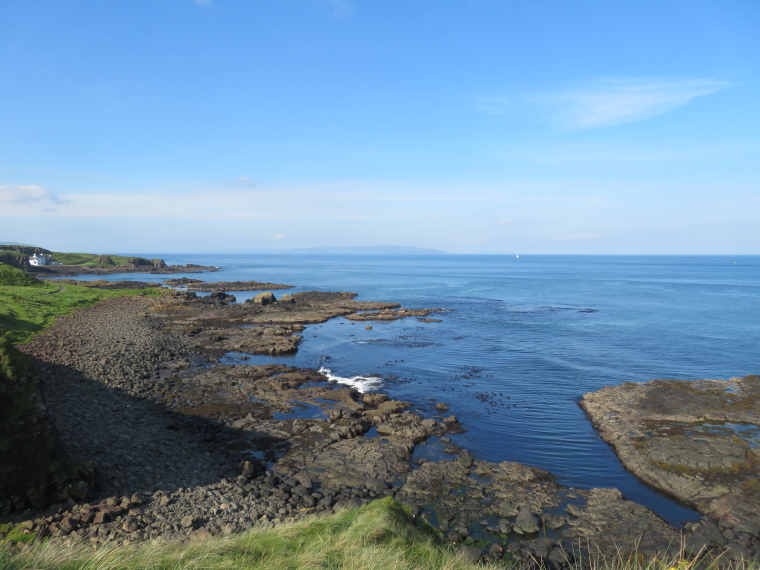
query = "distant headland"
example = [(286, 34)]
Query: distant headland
[(42, 261)]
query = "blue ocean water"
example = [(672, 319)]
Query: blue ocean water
[(523, 338)]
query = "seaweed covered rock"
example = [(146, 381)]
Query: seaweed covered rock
[(33, 469)]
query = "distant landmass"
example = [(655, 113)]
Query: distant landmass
[(360, 250)]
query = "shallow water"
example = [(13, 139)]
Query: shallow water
[(523, 339)]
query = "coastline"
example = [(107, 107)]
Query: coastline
[(73, 270), (353, 448)]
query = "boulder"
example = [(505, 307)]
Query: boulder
[(527, 521), (266, 298), (221, 298)]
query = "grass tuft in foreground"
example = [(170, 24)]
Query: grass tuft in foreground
[(381, 535)]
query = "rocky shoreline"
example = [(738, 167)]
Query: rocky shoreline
[(205, 286), (185, 447), (157, 269), (697, 441)]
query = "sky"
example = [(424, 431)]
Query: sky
[(470, 126)]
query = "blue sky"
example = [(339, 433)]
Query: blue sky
[(472, 126)]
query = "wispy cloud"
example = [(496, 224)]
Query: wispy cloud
[(604, 102), (616, 101), (25, 194)]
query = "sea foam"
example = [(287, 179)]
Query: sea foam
[(361, 383)]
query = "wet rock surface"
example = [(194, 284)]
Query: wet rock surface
[(695, 440), (186, 447)]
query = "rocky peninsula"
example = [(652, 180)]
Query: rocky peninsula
[(183, 446)]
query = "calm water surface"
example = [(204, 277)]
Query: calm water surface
[(523, 339)]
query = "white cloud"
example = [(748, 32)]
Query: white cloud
[(611, 102), (278, 236), (24, 194)]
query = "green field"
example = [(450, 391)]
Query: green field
[(28, 305)]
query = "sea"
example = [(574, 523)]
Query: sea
[(521, 339)]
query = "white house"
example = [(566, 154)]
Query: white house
[(41, 260)]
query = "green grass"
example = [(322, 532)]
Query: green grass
[(29, 305), (92, 260), (13, 534), (12, 277), (27, 250), (381, 535), (12, 364)]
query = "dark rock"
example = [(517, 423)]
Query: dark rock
[(527, 521), (221, 298), (138, 498), (129, 525)]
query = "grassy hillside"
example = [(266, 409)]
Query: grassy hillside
[(380, 535), (16, 255), (27, 250), (12, 277), (92, 260), (28, 305)]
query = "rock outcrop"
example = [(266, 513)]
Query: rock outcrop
[(695, 440)]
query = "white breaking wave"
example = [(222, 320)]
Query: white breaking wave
[(361, 383)]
